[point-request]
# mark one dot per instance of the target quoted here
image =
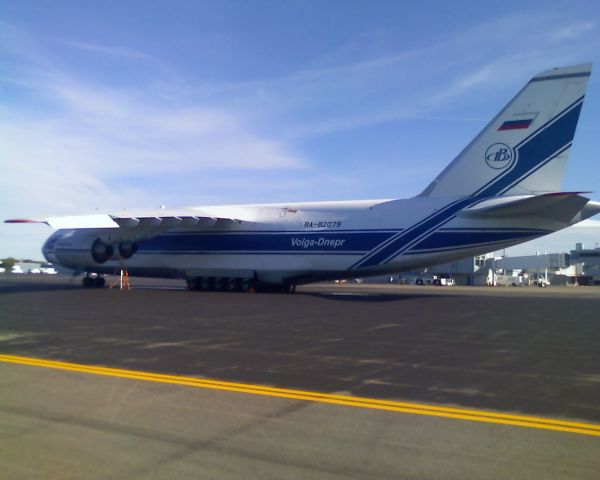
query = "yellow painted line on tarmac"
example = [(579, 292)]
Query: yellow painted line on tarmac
[(358, 402)]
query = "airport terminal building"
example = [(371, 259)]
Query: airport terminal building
[(580, 266)]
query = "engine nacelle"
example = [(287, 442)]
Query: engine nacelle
[(127, 249), (101, 251), (77, 250)]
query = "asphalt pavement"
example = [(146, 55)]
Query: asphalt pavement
[(513, 351)]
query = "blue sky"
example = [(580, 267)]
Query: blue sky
[(109, 105)]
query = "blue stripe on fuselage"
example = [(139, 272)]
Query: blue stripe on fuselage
[(324, 241)]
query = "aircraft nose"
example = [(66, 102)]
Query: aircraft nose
[(48, 248)]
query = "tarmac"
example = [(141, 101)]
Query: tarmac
[(334, 381)]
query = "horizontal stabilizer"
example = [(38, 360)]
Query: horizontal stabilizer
[(560, 206)]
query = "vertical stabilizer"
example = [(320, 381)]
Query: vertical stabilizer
[(524, 149)]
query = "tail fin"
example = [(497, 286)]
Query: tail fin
[(524, 149)]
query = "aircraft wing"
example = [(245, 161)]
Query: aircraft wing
[(144, 224)]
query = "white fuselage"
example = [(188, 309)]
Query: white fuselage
[(303, 242)]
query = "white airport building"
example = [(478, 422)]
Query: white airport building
[(579, 267)]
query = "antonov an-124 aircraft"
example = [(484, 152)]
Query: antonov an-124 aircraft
[(501, 190)]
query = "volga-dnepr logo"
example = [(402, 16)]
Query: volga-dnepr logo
[(498, 156)]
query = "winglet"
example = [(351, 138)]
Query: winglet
[(24, 220)]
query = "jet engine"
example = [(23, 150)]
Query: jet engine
[(78, 251), (127, 249), (101, 251)]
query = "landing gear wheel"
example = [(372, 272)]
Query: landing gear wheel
[(252, 285), (223, 285), (238, 285)]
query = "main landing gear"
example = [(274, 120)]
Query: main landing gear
[(225, 284), (215, 284), (90, 281)]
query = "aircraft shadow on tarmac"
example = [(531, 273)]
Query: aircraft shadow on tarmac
[(367, 297), (6, 288)]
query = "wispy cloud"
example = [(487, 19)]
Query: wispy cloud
[(108, 154), (575, 30), (420, 82), (129, 53)]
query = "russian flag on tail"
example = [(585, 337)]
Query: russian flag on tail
[(516, 124)]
